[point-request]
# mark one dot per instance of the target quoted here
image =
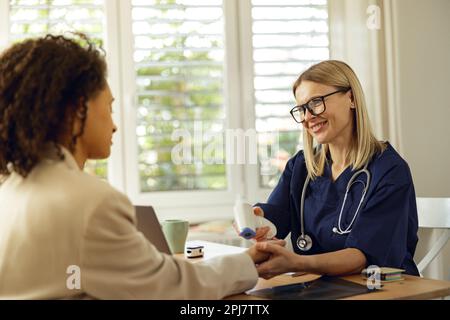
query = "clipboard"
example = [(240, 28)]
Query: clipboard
[(324, 288)]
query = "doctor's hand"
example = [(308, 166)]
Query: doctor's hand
[(259, 256), (260, 232), (281, 260)]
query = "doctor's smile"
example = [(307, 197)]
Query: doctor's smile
[(224, 150), (346, 196), (341, 200), (317, 127)]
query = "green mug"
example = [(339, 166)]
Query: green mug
[(176, 232)]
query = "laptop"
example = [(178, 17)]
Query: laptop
[(148, 224)]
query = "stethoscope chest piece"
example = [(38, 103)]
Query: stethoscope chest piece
[(304, 242)]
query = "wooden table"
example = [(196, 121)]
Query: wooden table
[(410, 288)]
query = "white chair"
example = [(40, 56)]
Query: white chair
[(434, 213)]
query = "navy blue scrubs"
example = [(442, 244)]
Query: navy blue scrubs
[(385, 229)]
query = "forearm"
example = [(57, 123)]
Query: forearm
[(342, 262)]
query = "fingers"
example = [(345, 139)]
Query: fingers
[(258, 211), (264, 270), (270, 247), (267, 276), (261, 233), (257, 256), (276, 251), (278, 242)]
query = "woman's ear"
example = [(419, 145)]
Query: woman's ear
[(79, 114), (79, 117), (352, 100), (81, 110)]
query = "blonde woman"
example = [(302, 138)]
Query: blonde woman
[(347, 199)]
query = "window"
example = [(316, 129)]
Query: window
[(29, 18), (32, 18), (183, 73), (178, 59), (288, 37)]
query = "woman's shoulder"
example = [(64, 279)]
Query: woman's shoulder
[(299, 157), (96, 199), (296, 161), (78, 187), (389, 154), (389, 164), (90, 186)]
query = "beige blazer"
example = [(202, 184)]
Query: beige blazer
[(59, 217)]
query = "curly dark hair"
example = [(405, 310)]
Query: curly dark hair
[(44, 84)]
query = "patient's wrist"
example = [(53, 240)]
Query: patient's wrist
[(304, 263)]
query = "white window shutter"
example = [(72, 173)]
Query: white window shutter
[(288, 37), (178, 59), (34, 18)]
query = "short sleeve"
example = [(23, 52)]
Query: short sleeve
[(278, 206)]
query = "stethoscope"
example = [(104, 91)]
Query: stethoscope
[(304, 241)]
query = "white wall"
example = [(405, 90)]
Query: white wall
[(423, 51)]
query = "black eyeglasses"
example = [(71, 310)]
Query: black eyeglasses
[(315, 106)]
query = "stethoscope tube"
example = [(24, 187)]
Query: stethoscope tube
[(338, 229), (304, 242)]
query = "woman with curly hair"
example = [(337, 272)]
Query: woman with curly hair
[(55, 113)]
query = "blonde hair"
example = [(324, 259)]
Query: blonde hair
[(340, 75)]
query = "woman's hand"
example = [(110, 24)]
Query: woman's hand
[(259, 256), (281, 260), (261, 233)]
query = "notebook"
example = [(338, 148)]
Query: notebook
[(386, 274)]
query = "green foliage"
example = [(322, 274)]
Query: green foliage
[(178, 85), (183, 86), (54, 20), (98, 168)]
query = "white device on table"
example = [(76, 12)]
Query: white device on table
[(247, 221), (194, 251)]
